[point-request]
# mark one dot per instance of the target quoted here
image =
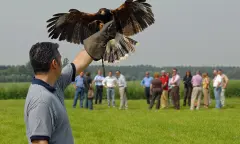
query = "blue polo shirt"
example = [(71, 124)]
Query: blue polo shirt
[(146, 81), (79, 81)]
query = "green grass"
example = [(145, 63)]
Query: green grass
[(106, 125), (135, 91)]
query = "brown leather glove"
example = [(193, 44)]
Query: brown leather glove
[(95, 45)]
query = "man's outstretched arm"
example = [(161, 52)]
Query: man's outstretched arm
[(82, 61), (94, 49)]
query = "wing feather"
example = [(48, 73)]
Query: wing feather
[(133, 17), (72, 26)]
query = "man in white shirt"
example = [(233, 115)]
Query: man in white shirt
[(224, 86), (99, 87), (122, 84), (175, 83), (217, 82), (110, 82)]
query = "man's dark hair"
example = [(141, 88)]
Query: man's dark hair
[(41, 55), (118, 71), (175, 69)]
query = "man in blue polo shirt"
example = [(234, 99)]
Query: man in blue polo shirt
[(146, 82), (45, 114), (79, 87)]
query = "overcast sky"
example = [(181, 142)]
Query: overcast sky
[(186, 32)]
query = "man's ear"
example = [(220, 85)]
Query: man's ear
[(54, 64)]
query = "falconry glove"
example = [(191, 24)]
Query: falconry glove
[(95, 45)]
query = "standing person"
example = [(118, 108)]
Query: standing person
[(205, 86), (79, 90), (156, 90), (197, 90), (175, 82), (99, 87), (110, 83), (146, 82), (169, 89), (224, 86), (217, 82), (122, 84), (164, 96), (90, 96), (187, 88), (87, 85), (209, 92), (45, 113)]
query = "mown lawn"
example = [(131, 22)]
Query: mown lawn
[(137, 125)]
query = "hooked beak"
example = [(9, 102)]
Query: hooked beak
[(102, 12)]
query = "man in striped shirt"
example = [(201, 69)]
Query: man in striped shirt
[(175, 83)]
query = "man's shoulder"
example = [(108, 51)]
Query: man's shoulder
[(37, 94), (122, 76)]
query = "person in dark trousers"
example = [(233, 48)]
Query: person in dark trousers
[(187, 88), (87, 85), (156, 90), (175, 83), (99, 87), (146, 82)]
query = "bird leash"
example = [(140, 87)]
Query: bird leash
[(103, 68)]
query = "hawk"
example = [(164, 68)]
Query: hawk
[(131, 18)]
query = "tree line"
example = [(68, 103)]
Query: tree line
[(24, 73)]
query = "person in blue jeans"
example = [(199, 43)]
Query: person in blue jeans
[(146, 82), (217, 82), (80, 89), (90, 97), (110, 82), (87, 85)]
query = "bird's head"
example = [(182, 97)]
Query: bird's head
[(104, 11)]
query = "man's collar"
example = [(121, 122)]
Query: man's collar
[(44, 84)]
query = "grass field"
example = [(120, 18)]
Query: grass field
[(135, 90), (136, 125)]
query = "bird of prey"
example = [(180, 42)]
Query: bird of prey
[(132, 17)]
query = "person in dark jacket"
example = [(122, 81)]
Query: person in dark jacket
[(87, 85), (187, 88), (156, 91)]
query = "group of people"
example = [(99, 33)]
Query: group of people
[(165, 89), (85, 83)]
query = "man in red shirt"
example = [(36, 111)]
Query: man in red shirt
[(164, 98)]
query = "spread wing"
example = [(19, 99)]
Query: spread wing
[(133, 17), (73, 27)]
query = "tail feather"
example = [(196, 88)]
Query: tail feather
[(119, 48)]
